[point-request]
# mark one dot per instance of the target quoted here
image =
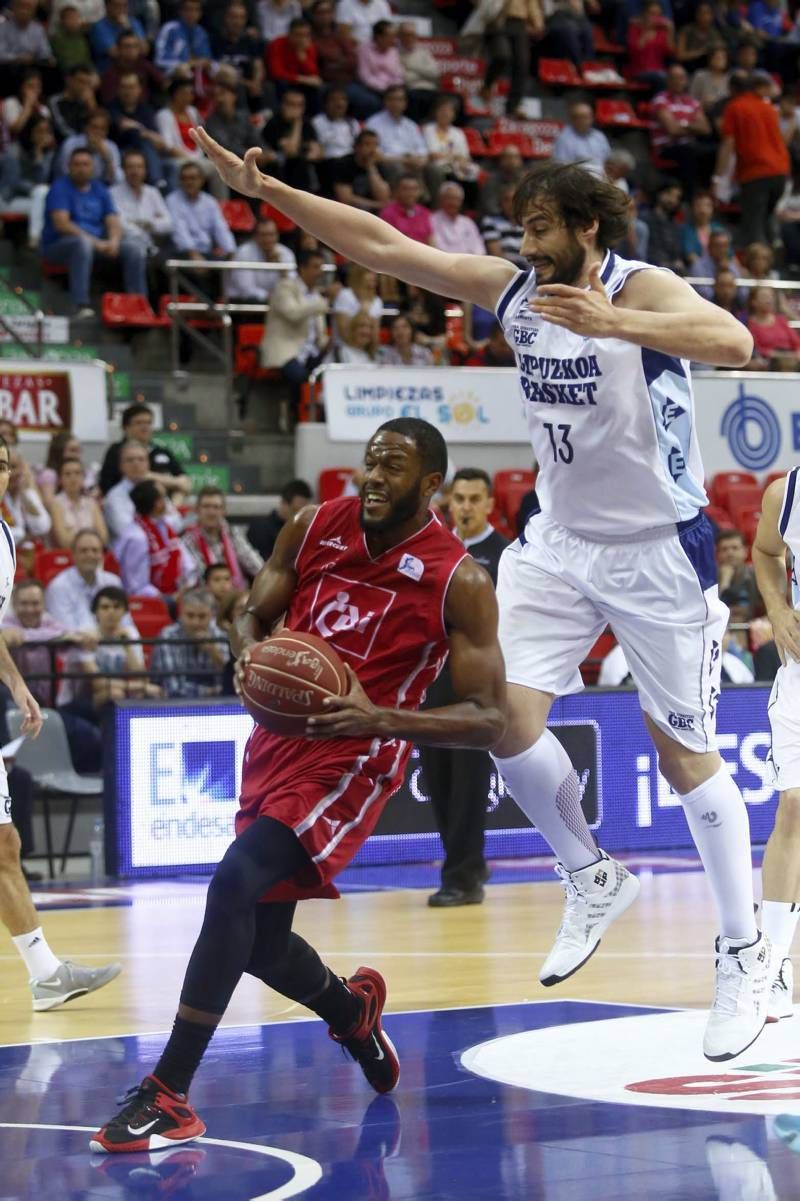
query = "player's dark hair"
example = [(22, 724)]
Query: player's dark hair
[(212, 567), (430, 444), (578, 197), (472, 474), (110, 593), (134, 410), (144, 496), (296, 488)]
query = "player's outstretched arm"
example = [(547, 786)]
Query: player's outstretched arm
[(477, 718), (769, 561), (364, 238), (274, 585)]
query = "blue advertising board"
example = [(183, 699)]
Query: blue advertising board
[(174, 773)]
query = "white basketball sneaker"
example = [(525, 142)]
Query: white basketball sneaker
[(744, 977), (779, 1004), (595, 897)]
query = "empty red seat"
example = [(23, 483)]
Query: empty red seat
[(559, 72), (500, 138), (513, 497), (124, 309), (475, 142), (504, 480), (602, 75), (333, 481), (744, 500), (238, 215), (50, 563), (111, 562), (722, 483), (285, 224), (720, 517), (149, 614), (772, 477), (612, 113)]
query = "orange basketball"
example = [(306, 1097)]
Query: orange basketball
[(287, 679)]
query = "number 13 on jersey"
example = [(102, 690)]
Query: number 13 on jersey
[(562, 448)]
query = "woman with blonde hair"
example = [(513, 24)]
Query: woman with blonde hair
[(71, 509), (360, 343), (360, 295)]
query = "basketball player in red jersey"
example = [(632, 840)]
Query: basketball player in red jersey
[(381, 579)]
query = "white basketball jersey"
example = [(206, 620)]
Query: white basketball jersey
[(789, 526), (611, 424)]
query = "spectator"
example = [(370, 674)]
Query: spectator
[(135, 129), (336, 134), (229, 609), (217, 582), (137, 428), (697, 39), (189, 656), (141, 207), (113, 668), (337, 55), (69, 42), (570, 32), (619, 165), (105, 33), (69, 595), (790, 126), (118, 508), (23, 41), (402, 146), (199, 229), (296, 337), (509, 46), (510, 169), (635, 244), (726, 292), (403, 349), (81, 222), (379, 64), (174, 122), (358, 344), (182, 47), (231, 126), (25, 174), (360, 296), (292, 63), (719, 256), (23, 509), (453, 231), (420, 71), (152, 561), (580, 142), (17, 111), (63, 445), (262, 532), (275, 17), (771, 24), (751, 132), (665, 244), (788, 215), (711, 84), (359, 17), (72, 107), (107, 165), (682, 130), (129, 59), (236, 46), (358, 179), (90, 11), (289, 142), (650, 45), (775, 342), (447, 144), (263, 247), (501, 233), (407, 214), (213, 541), (734, 572), (71, 509), (697, 231)]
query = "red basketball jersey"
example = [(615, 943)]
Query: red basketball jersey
[(385, 616)]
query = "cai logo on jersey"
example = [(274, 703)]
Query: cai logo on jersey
[(349, 613)]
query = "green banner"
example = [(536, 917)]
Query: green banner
[(179, 445), (202, 474), (9, 350)]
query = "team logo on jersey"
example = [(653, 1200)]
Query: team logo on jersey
[(7, 806), (670, 411), (349, 613), (681, 721), (411, 566), (334, 543), (525, 337)]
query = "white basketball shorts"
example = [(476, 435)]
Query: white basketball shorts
[(784, 720), (557, 591), (5, 798)]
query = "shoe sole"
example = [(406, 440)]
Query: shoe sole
[(734, 1054), (44, 1003), (454, 904), (156, 1142), (549, 981)]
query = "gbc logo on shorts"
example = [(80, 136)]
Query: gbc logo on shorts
[(681, 721), (7, 806)]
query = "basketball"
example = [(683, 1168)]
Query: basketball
[(288, 678)]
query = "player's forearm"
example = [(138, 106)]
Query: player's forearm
[(715, 338), (464, 724), (771, 579)]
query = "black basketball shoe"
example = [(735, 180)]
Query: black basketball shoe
[(367, 1042), (152, 1116)]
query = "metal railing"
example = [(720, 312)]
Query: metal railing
[(32, 349), (746, 281)]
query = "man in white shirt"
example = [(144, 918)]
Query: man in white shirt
[(402, 146), (357, 17), (452, 231), (140, 206), (69, 595), (263, 247), (334, 130), (580, 142), (118, 507), (200, 230), (420, 69), (26, 515)]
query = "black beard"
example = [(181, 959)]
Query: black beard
[(402, 511), (568, 267)]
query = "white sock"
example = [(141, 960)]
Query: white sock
[(718, 822), (545, 785), (39, 959), (779, 922)]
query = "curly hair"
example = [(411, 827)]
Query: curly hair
[(578, 197)]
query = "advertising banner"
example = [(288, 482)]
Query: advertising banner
[(42, 399), (175, 772)]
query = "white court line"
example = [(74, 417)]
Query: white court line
[(306, 1171), (643, 954)]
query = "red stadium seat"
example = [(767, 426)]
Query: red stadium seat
[(285, 224), (111, 562), (149, 614), (332, 482), (772, 477), (513, 497), (602, 45), (613, 113), (238, 215), (499, 139), (503, 480), (559, 72), (475, 142), (50, 563), (720, 517), (743, 501), (133, 311), (722, 483)]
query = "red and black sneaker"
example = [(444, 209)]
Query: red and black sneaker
[(152, 1116), (367, 1042)]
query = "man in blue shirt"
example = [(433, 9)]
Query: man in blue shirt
[(580, 142), (182, 46), (199, 228), (81, 222), (104, 34)]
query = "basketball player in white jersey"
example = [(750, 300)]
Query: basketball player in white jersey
[(602, 345), (779, 530), (53, 981)]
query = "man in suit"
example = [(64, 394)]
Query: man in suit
[(296, 335), (459, 779)]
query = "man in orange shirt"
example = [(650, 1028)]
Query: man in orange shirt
[(750, 130)]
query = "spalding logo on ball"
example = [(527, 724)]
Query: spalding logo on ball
[(287, 680)]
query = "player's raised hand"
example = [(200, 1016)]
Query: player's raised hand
[(31, 713), (350, 716), (242, 175), (590, 312), (786, 631)]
